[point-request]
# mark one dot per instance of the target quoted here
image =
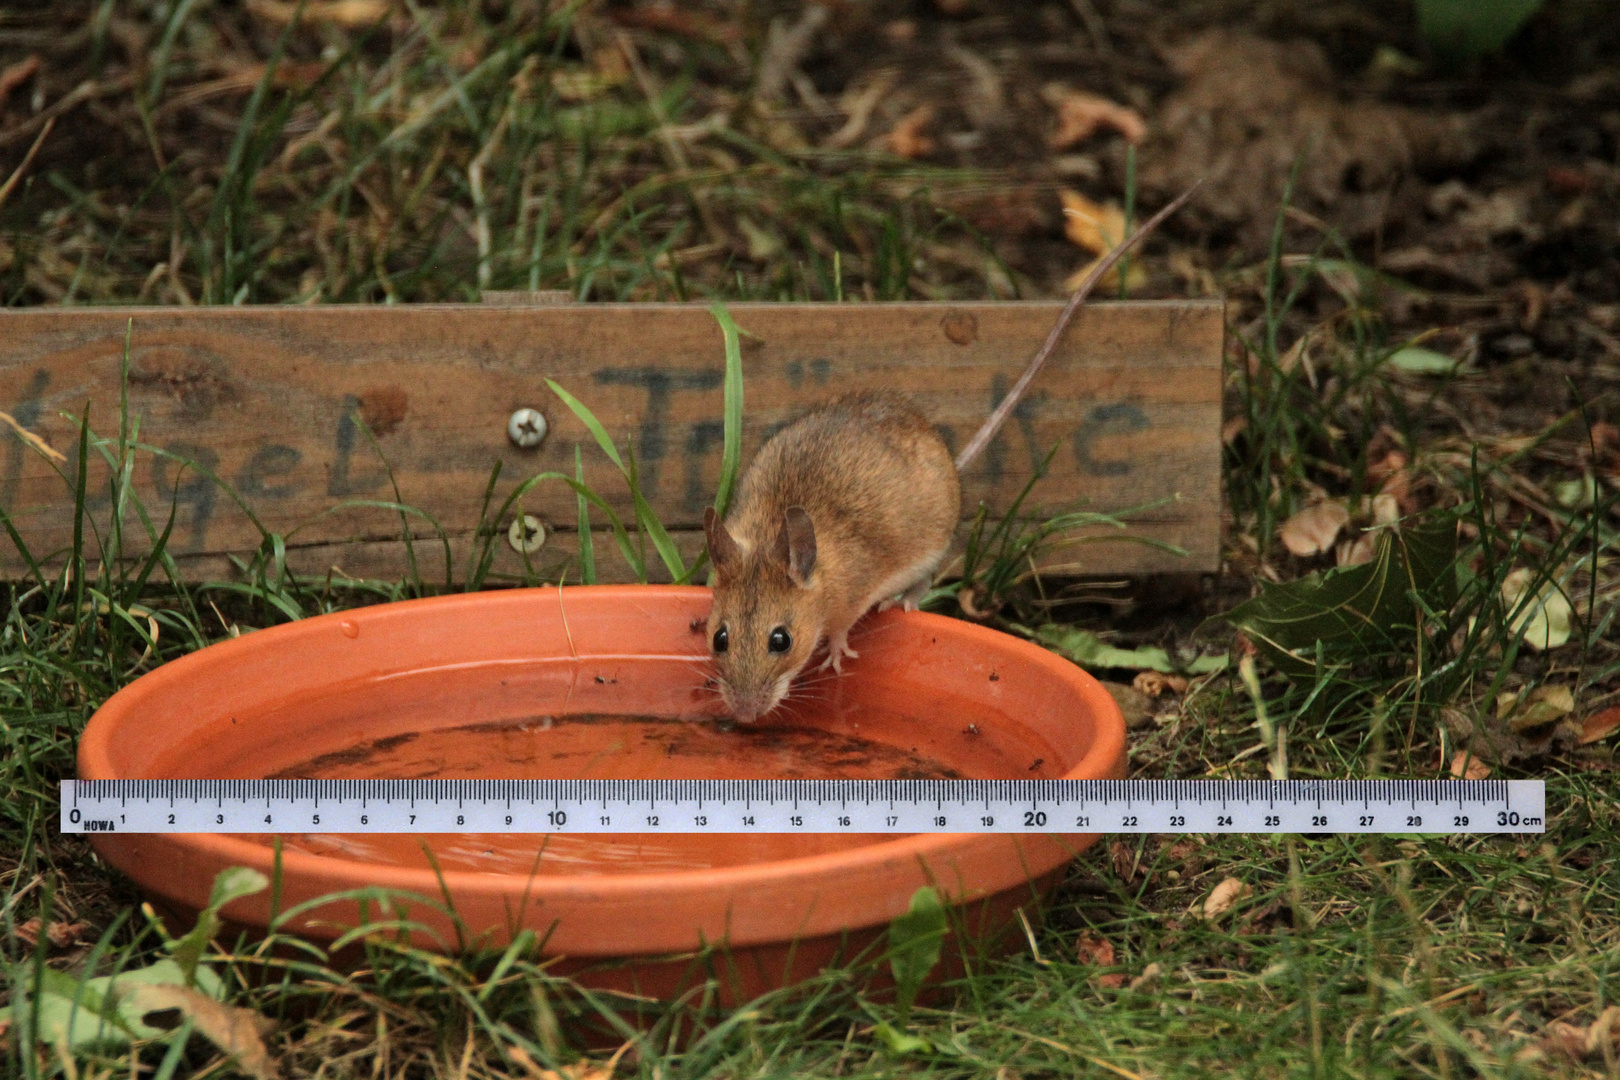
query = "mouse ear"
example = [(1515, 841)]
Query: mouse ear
[(796, 546), (723, 550)]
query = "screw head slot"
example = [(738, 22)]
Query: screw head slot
[(526, 428)]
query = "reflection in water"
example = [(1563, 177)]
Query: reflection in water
[(621, 853)]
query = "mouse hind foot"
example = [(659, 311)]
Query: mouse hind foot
[(911, 599)]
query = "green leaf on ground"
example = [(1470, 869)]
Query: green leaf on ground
[(1353, 613), (915, 941), (1467, 30)]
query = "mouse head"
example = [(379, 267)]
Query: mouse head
[(765, 622)]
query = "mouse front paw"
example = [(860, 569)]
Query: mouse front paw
[(837, 649)]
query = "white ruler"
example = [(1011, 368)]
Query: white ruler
[(807, 806)]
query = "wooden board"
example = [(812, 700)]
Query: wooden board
[(267, 398)]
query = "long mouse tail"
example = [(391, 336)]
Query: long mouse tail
[(988, 430)]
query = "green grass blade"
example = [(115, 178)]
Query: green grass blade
[(731, 454), (587, 543), (654, 529), (588, 418), (482, 554)]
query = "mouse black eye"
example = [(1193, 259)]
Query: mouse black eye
[(722, 640), (781, 640)]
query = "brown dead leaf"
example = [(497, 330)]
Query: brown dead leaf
[(349, 14), (1600, 725), (1457, 722), (59, 934), (910, 138), (1123, 859), (1080, 115), (1467, 766), (237, 1032), (1112, 981), (1149, 976), (1187, 854), (1095, 950), (1391, 476), (1223, 896), (1097, 227), (16, 74), (1234, 427), (1565, 1040), (1357, 551), (1314, 529), (1155, 683)]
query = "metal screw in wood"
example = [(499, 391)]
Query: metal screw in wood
[(526, 428), (526, 534)]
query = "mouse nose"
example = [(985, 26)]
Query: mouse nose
[(746, 707)]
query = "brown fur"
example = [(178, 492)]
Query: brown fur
[(882, 498)]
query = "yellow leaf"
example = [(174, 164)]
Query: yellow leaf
[(1544, 705), (1097, 228)]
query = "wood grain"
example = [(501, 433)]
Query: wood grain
[(298, 409)]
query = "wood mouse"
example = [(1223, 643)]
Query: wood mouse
[(851, 505)]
